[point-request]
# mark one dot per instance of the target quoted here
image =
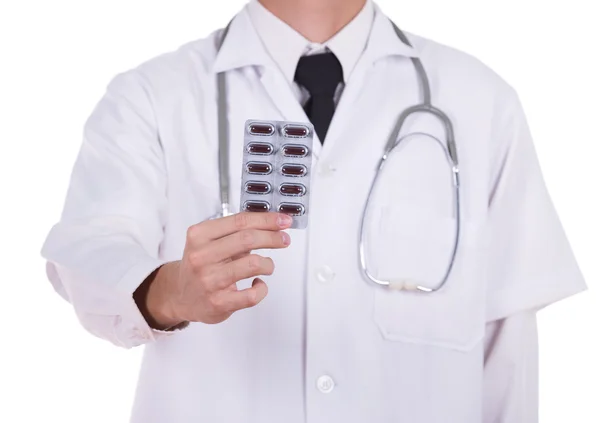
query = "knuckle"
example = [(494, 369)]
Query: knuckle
[(241, 220), (277, 239), (215, 302), (247, 239), (195, 259), (230, 274), (269, 265), (254, 263), (268, 219), (192, 233), (252, 298), (205, 275)]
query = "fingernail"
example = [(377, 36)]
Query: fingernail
[(286, 238), (284, 220)]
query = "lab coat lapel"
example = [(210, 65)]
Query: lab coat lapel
[(349, 108), (243, 48), (278, 90), (383, 43)]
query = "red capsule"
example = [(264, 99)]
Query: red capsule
[(255, 187), (294, 150), (293, 170), (256, 206), (261, 148), (292, 190), (261, 129), (292, 209), (295, 131), (258, 168)]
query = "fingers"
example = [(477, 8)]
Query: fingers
[(239, 256), (243, 242), (219, 228), (230, 302), (243, 268)]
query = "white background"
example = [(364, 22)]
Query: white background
[(56, 58)]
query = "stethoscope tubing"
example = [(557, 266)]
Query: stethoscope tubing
[(393, 142)]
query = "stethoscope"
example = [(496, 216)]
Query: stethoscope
[(393, 142)]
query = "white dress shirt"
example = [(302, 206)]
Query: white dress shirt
[(325, 345)]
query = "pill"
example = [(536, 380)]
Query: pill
[(256, 206), (293, 170), (258, 168), (294, 150), (262, 148), (296, 190), (295, 131), (292, 209), (261, 129), (255, 187)]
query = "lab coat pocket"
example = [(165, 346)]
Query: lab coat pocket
[(416, 244)]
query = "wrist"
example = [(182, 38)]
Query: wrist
[(153, 298), (159, 304)]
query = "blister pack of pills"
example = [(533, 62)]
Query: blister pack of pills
[(277, 168)]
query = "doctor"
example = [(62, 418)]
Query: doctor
[(136, 254)]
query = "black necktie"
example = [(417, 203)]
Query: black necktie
[(320, 74)]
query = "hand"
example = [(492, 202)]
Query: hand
[(202, 286)]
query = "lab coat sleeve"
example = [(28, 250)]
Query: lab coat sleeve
[(510, 393), (530, 263), (107, 241)]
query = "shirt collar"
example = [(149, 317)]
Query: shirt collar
[(257, 37), (286, 46)]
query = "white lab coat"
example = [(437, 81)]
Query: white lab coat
[(325, 346)]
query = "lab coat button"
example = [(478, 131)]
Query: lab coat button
[(326, 170), (325, 384), (325, 274)]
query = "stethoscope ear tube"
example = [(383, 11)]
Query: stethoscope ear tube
[(223, 143), (223, 134)]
